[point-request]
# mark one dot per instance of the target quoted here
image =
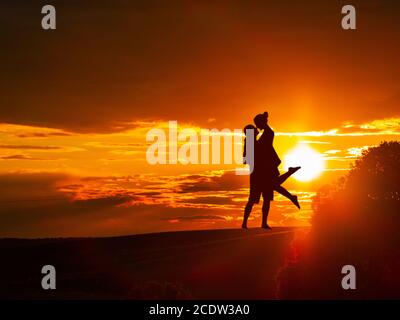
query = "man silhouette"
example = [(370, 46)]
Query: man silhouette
[(265, 177)]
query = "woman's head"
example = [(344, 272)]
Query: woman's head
[(261, 120), (251, 133)]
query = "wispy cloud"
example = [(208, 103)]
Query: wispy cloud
[(28, 147), (24, 157), (380, 127), (26, 131)]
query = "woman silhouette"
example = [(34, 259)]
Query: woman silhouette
[(265, 178)]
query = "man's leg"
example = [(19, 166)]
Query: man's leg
[(247, 211), (265, 211)]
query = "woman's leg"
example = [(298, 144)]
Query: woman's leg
[(283, 177), (247, 211), (265, 211), (288, 195)]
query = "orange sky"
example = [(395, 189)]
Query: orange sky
[(77, 102)]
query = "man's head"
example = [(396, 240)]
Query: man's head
[(261, 120), (250, 127)]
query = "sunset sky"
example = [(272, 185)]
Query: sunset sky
[(76, 104)]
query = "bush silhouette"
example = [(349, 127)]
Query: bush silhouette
[(355, 222)]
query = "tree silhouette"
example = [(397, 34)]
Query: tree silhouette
[(370, 191), (377, 173), (355, 222)]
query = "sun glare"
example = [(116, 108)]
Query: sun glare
[(311, 162)]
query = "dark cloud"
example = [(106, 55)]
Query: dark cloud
[(108, 63), (45, 205), (205, 217), (28, 147), (23, 186), (21, 157), (53, 204), (228, 181), (42, 134), (150, 194), (100, 203), (219, 200), (32, 205)]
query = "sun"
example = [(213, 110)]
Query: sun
[(311, 162)]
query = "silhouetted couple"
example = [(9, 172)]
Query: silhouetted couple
[(265, 178)]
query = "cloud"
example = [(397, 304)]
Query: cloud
[(42, 134), (379, 127), (314, 142), (357, 151), (382, 126), (205, 217), (223, 199), (165, 72), (34, 205), (21, 188), (54, 204), (24, 157), (225, 181), (27, 131), (348, 154), (28, 147)]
